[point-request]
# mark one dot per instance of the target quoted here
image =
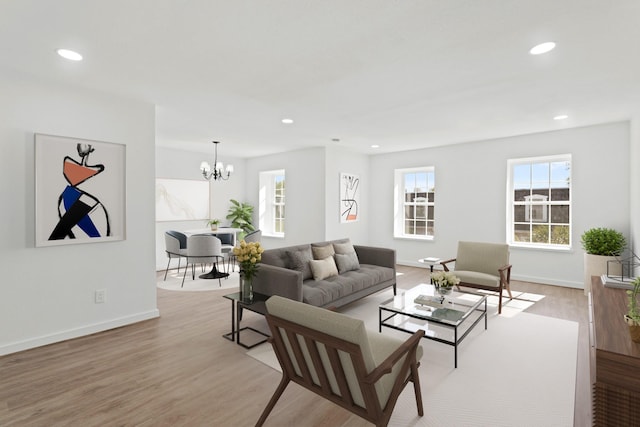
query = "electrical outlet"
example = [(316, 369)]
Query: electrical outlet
[(100, 296)]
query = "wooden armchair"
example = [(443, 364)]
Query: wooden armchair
[(334, 356), (483, 266)]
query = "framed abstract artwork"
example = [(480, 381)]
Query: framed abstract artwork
[(181, 199), (349, 197), (80, 188)]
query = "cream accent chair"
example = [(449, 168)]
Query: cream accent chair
[(334, 356), (483, 266)]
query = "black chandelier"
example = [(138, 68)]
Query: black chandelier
[(218, 168)]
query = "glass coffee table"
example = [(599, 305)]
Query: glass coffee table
[(447, 319)]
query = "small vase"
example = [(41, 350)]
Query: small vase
[(246, 288), (443, 289)]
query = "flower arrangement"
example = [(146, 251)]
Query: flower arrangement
[(248, 256), (444, 279)]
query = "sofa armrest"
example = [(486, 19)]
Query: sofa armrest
[(272, 280), (383, 257)]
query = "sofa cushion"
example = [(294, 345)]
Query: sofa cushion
[(347, 262), (299, 260), (344, 248), (320, 293), (323, 268), (322, 252)]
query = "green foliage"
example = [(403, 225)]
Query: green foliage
[(240, 215), (213, 222), (603, 241), (559, 234), (633, 313)]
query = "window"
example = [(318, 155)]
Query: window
[(539, 202), (271, 215), (278, 204), (415, 203)]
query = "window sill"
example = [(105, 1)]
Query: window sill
[(541, 248), (420, 238)]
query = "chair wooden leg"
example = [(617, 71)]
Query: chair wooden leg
[(416, 389), (274, 399), (500, 301)]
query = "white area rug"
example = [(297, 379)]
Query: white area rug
[(521, 371), (174, 281)]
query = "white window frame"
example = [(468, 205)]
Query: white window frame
[(537, 200), (267, 202), (399, 203)]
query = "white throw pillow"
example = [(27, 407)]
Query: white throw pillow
[(321, 252), (323, 268)]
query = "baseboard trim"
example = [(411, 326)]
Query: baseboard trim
[(77, 332), (523, 278)]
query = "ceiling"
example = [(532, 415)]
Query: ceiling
[(402, 74)]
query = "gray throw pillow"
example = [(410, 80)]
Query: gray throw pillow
[(347, 262), (343, 248), (299, 260)]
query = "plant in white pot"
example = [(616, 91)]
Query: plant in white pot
[(601, 245), (213, 223)]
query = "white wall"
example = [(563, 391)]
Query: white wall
[(182, 164), (305, 194), (634, 166), (471, 191), (47, 294)]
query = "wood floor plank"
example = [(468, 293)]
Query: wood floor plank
[(178, 370)]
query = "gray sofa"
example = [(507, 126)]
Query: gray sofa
[(293, 272)]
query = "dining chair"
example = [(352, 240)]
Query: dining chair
[(175, 246), (202, 249)]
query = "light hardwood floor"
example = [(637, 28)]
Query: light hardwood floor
[(177, 370)]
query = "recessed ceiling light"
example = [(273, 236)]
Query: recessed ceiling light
[(287, 121), (375, 146), (69, 54), (542, 48), (561, 117), (335, 139)]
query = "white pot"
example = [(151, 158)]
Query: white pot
[(596, 265)]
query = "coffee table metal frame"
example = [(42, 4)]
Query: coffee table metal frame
[(257, 305), (473, 313)]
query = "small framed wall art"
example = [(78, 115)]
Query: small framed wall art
[(349, 197), (80, 191)]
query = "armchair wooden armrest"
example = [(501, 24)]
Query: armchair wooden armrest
[(444, 263), (408, 348)]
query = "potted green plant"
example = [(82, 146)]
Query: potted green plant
[(633, 315), (214, 224), (601, 245), (240, 215)]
